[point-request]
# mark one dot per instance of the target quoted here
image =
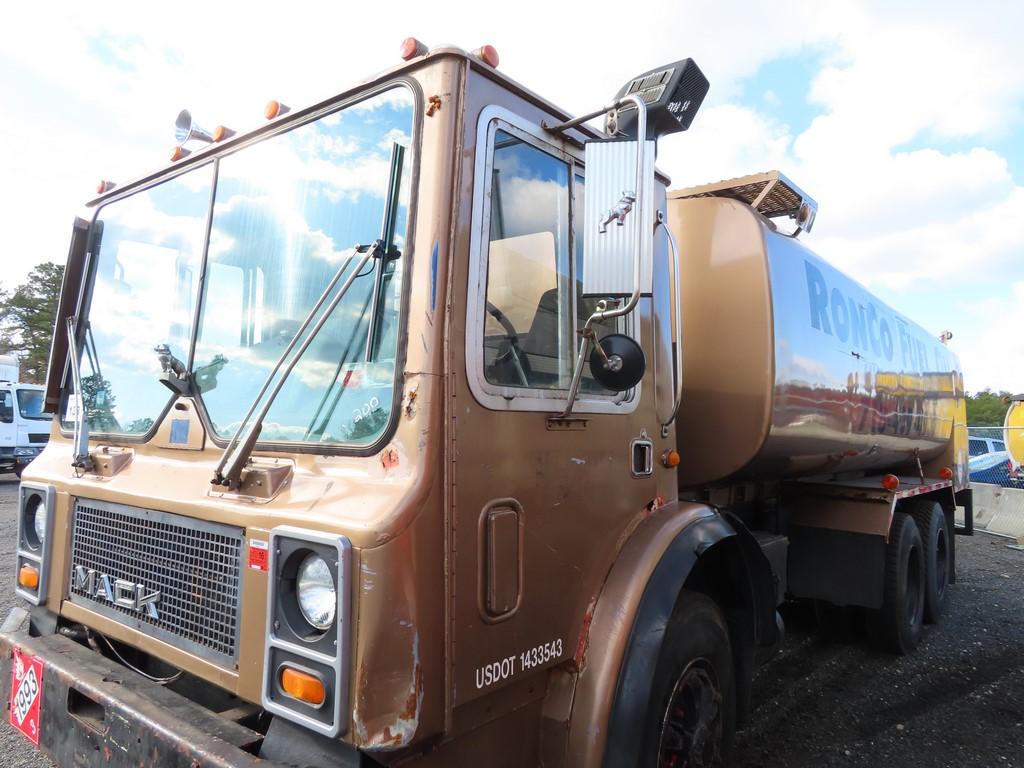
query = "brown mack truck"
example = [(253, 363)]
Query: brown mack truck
[(427, 425)]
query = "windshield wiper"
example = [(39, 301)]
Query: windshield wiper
[(236, 454)]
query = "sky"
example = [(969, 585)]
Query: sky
[(905, 121)]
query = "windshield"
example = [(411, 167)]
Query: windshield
[(286, 213), (30, 404)]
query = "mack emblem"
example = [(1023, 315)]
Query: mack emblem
[(120, 592)]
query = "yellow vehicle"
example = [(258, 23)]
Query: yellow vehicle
[(427, 425)]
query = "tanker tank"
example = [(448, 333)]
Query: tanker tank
[(791, 369)]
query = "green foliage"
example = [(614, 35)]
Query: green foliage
[(27, 317), (99, 404), (986, 408)]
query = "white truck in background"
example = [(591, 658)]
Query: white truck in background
[(24, 428)]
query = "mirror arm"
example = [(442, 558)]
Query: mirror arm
[(677, 310), (641, 209)]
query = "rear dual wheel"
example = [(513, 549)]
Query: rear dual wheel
[(931, 523), (898, 624)]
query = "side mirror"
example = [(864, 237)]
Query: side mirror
[(617, 362), (617, 218)]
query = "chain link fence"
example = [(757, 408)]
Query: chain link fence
[(998, 483)]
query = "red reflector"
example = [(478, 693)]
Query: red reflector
[(946, 473), (890, 482)]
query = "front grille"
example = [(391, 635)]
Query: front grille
[(195, 566)]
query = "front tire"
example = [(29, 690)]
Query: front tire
[(691, 714), (898, 624)]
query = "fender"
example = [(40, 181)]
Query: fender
[(628, 623)]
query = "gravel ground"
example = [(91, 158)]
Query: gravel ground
[(957, 701)]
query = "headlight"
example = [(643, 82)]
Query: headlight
[(39, 523), (317, 596)]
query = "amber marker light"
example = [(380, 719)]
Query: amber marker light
[(28, 577), (890, 482), (302, 686), (670, 458), (274, 109), (946, 473), (178, 153), (488, 54), (104, 186), (222, 132), (411, 48)]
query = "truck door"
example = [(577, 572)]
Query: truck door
[(538, 505), (8, 426)]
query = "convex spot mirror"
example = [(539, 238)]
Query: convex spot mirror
[(617, 362)]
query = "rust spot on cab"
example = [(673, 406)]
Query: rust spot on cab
[(433, 104), (389, 458), (580, 657)]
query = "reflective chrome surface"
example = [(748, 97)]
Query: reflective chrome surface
[(791, 368), (857, 385)]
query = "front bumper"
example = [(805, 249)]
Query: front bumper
[(95, 712)]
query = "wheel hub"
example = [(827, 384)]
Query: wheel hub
[(691, 731)]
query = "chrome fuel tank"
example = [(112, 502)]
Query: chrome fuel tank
[(792, 369)]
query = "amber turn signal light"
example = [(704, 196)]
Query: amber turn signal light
[(28, 577), (946, 473), (303, 686), (670, 458), (890, 482), (488, 54), (274, 109), (411, 48)]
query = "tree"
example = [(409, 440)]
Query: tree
[(986, 408), (26, 320)]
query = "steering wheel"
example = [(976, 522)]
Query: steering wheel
[(512, 351)]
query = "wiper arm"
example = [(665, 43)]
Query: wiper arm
[(238, 450), (80, 458)]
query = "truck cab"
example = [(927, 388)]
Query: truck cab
[(367, 450), (24, 426)]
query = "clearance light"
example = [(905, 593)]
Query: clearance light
[(222, 132), (274, 109), (946, 473), (104, 186), (411, 48), (670, 458), (890, 482), (488, 54), (28, 577), (303, 686), (178, 153)]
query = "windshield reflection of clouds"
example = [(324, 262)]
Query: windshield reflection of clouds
[(286, 214)]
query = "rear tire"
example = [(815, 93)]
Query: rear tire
[(897, 626), (691, 714), (931, 523)]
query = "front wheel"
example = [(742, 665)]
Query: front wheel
[(692, 706)]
